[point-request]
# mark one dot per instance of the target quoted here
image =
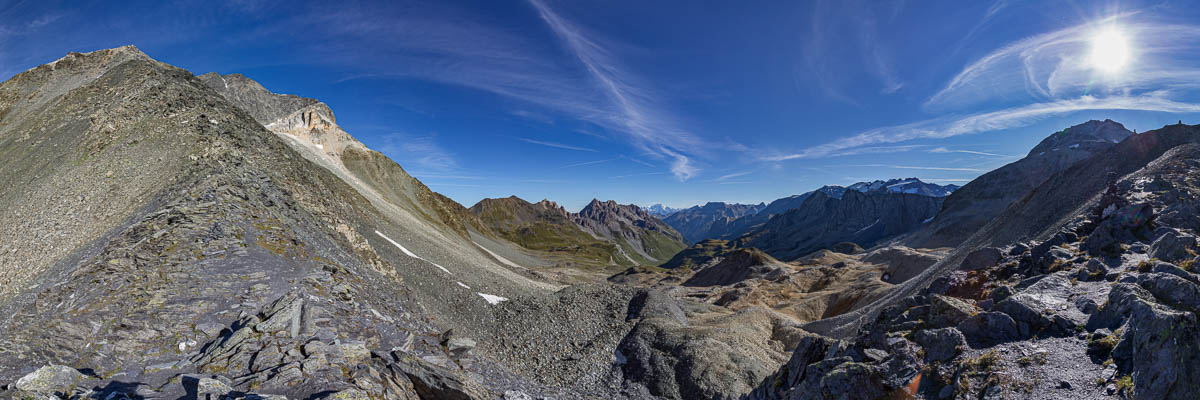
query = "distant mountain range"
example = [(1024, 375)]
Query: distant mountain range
[(661, 211), (732, 221)]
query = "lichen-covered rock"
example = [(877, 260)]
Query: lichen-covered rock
[(1165, 348), (940, 344), (50, 379)]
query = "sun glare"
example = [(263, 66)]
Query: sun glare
[(1110, 51)]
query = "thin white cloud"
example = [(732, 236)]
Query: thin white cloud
[(441, 43), (580, 164), (1009, 118), (641, 174), (1056, 65), (637, 110), (981, 153), (639, 161), (733, 175), (556, 145), (418, 152), (833, 27)]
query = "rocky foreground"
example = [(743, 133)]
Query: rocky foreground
[(1103, 307)]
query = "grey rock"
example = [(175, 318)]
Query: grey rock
[(460, 346), (434, 382), (982, 258), (1168, 268), (940, 344), (1171, 289), (1174, 246), (50, 379), (205, 387), (1043, 307), (988, 328), (1164, 342), (348, 394), (516, 395), (353, 350), (949, 311)]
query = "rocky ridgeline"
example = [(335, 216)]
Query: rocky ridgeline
[(1105, 307)]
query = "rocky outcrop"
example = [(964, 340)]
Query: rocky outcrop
[(641, 237), (266, 107)]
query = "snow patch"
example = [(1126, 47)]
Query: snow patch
[(491, 299), (320, 146), (463, 285), (926, 221), (1075, 146), (409, 253)]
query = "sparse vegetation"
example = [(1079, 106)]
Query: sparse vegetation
[(1038, 358)]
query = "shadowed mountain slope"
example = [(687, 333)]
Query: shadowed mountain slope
[(710, 220), (823, 221), (985, 197)]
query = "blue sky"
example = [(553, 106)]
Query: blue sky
[(678, 102)]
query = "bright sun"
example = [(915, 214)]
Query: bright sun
[(1110, 51)]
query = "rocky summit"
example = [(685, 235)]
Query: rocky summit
[(166, 236)]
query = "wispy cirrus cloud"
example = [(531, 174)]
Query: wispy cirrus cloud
[(1052, 75), (980, 153), (733, 175), (440, 43), (556, 145), (580, 164), (824, 58), (636, 107), (421, 152), (1015, 117), (1056, 65)]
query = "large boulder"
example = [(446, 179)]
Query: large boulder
[(1044, 307), (1116, 310), (1124, 225), (1171, 290), (50, 379), (982, 258), (431, 381), (1162, 346), (987, 329), (1174, 246), (940, 344), (948, 311)]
